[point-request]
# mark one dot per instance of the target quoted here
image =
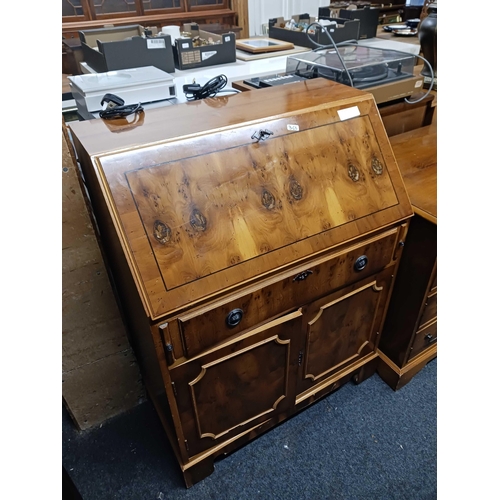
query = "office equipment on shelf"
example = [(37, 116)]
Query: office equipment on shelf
[(134, 85), (198, 48), (273, 80)]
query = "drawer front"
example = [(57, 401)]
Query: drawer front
[(423, 339), (430, 310), (206, 327)]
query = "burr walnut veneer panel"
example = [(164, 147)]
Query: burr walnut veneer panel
[(254, 240)]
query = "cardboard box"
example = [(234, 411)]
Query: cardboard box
[(187, 55), (123, 47), (333, 10), (346, 29), (368, 19)]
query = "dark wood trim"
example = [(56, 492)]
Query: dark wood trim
[(88, 6), (178, 17), (221, 14), (109, 18), (197, 8), (139, 7)]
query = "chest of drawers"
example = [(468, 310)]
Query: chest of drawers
[(409, 339), (253, 241)]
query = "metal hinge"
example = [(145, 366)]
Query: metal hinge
[(301, 355), (168, 348), (174, 389), (186, 444)]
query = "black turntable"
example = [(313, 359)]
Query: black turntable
[(366, 66)]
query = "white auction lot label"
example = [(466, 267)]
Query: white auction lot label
[(345, 114)]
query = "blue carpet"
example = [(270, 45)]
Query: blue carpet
[(363, 442)]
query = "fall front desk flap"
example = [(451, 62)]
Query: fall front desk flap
[(202, 214)]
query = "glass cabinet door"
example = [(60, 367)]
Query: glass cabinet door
[(102, 7), (161, 6), (78, 10), (206, 4), (72, 10)]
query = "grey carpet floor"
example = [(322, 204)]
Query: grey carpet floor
[(363, 442)]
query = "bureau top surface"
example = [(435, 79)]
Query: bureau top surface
[(270, 178), (159, 124), (416, 154)]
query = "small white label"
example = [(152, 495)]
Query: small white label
[(418, 84), (293, 128), (156, 43), (185, 45), (207, 55), (345, 114), (227, 38)]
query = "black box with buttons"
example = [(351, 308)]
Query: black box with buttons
[(273, 81)]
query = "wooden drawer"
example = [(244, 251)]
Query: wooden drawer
[(430, 311), (207, 326), (423, 339)]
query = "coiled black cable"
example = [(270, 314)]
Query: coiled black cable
[(194, 92), (121, 111)]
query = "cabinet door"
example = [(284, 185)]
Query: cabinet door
[(239, 384), (341, 330)]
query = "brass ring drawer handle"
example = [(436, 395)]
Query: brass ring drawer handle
[(302, 276), (234, 318)]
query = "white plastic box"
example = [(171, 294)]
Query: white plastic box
[(135, 85)]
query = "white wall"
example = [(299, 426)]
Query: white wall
[(260, 11)]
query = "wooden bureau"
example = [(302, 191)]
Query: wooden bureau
[(409, 339), (253, 240)]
